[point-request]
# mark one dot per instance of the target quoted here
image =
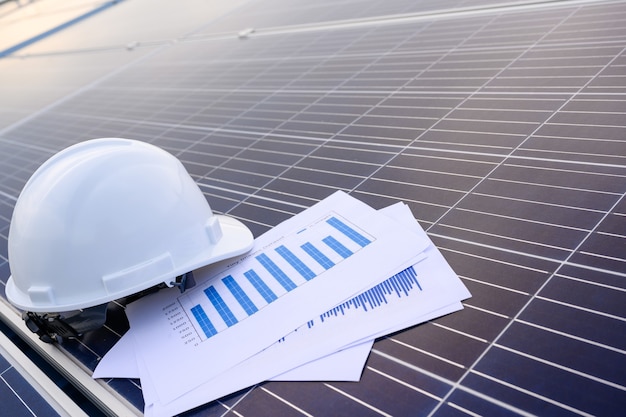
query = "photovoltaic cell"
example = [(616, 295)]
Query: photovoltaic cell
[(502, 129), (19, 398)]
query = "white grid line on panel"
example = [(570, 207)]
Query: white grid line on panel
[(528, 303), (289, 403), (404, 383), (561, 367), (585, 309), (573, 337), (532, 394), (452, 384)]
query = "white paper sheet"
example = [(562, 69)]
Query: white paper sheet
[(120, 361), (161, 322), (324, 340), (345, 365), (324, 365)]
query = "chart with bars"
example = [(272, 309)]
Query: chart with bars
[(266, 275), (399, 285)]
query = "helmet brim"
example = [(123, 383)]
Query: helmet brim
[(236, 240)]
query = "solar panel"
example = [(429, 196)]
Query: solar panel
[(18, 396), (501, 126)]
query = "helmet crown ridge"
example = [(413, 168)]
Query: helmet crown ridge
[(107, 218)]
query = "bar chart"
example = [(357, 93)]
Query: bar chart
[(267, 274), (399, 285)]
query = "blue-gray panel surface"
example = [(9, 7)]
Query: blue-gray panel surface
[(19, 397), (505, 132)]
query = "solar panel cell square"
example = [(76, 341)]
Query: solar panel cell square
[(265, 402), (19, 398), (374, 395), (502, 275), (130, 389), (564, 352), (420, 359), (604, 251), (444, 162), (531, 211), (515, 234), (518, 401), (584, 200), (527, 373), (586, 325), (266, 215), (4, 265), (412, 191), (591, 296), (291, 188), (479, 145), (478, 323), (600, 178)]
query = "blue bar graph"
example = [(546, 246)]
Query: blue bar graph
[(221, 307), (335, 245), (260, 286), (294, 261), (355, 236), (254, 282), (400, 285), (276, 272), (315, 253), (203, 320), (241, 297)]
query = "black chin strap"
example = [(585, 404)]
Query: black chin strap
[(54, 327)]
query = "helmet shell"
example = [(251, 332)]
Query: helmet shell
[(107, 218)]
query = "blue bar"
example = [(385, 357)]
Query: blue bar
[(335, 245), (358, 238), (260, 286), (203, 320), (240, 295), (315, 253), (294, 261), (276, 272), (221, 307)]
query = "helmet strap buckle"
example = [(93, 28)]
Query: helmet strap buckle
[(184, 281), (55, 327), (49, 327)]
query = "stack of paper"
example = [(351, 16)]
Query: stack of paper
[(306, 303)]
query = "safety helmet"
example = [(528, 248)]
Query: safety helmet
[(108, 218)]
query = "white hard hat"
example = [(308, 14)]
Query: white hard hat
[(107, 218)]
